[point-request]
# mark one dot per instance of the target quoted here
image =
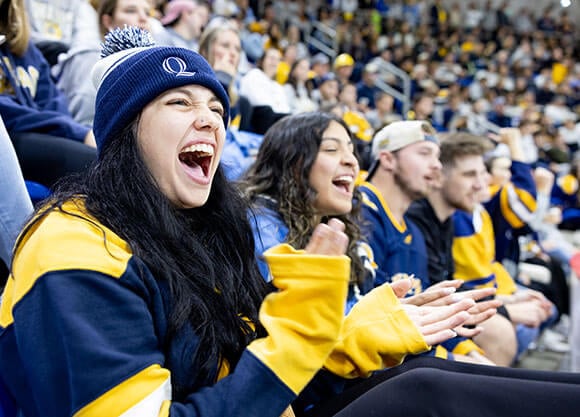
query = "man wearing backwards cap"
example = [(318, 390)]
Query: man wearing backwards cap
[(405, 157), (405, 165)]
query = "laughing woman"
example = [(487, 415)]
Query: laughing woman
[(304, 174), (135, 291)]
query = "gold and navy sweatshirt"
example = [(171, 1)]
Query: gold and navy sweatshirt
[(83, 324), (474, 253), (511, 207)]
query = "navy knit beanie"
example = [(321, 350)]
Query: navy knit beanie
[(133, 72)]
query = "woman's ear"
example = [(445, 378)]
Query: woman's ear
[(107, 20)]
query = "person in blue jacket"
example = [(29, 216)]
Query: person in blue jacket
[(48, 141), (134, 291)]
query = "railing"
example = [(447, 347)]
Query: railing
[(330, 47), (405, 96)]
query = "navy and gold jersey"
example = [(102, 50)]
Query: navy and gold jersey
[(565, 191), (398, 248), (84, 329), (474, 253), (511, 207), (29, 99)]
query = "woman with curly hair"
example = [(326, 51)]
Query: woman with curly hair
[(291, 186), (305, 174)]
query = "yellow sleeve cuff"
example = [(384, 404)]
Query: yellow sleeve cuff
[(304, 317), (377, 333)]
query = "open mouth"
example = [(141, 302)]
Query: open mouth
[(197, 157), (343, 183)]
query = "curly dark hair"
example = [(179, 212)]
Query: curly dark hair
[(281, 172)]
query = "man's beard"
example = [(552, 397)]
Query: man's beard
[(405, 186)]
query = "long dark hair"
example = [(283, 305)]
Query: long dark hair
[(281, 172), (204, 255)]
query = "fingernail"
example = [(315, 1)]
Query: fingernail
[(449, 290)]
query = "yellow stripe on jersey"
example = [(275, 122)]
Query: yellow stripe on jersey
[(467, 346), (441, 352), (568, 184), (401, 227), (81, 245), (145, 394), (367, 202), (517, 205), (505, 283)]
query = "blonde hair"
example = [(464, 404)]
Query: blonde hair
[(14, 23), (208, 37), (206, 47)]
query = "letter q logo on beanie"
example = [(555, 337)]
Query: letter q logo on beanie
[(133, 72)]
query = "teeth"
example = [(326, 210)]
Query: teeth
[(344, 178), (200, 148)]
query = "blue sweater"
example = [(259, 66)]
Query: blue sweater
[(29, 99)]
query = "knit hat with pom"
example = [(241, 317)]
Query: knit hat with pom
[(132, 72)]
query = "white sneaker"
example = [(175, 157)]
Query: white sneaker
[(553, 342), (563, 326)]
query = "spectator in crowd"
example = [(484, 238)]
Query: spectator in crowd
[(343, 67), (284, 210), (183, 23), (570, 133), (511, 205), (438, 17), (320, 66), (221, 46), (384, 112), (513, 194), (327, 93), (422, 109), (296, 88), (545, 269), (67, 33), (566, 196), (117, 13), (497, 115), (356, 121), (366, 88), (462, 179), (294, 37), (557, 110), (48, 141), (266, 96)]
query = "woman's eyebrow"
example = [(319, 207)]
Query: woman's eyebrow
[(337, 140)]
